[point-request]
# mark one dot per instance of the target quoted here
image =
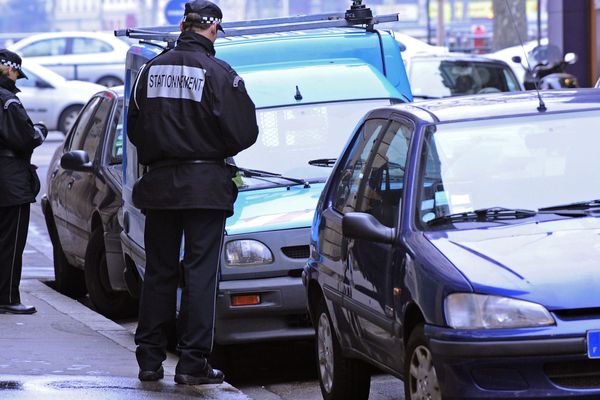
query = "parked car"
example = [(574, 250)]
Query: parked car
[(88, 56), (440, 75), (456, 245), (51, 99), (82, 203), (509, 53), (307, 98)]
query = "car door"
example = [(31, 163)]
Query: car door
[(85, 192), (374, 266), (76, 139), (342, 199)]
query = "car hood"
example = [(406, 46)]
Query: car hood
[(555, 263), (273, 209)]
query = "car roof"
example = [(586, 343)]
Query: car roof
[(498, 105), (66, 34), (345, 78), (307, 45)]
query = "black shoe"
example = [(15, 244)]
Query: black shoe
[(150, 376), (213, 376), (16, 308)]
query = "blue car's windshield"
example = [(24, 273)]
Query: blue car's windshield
[(289, 137), (523, 163)]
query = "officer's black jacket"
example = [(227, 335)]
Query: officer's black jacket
[(188, 105), (19, 183)]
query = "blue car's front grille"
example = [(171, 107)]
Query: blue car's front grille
[(574, 374), (578, 313)]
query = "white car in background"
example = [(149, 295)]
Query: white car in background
[(51, 99), (88, 56), (410, 46)]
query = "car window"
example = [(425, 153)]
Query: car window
[(443, 78), (349, 176), (96, 127), (116, 147), (46, 47), (90, 45), (79, 130), (380, 194)]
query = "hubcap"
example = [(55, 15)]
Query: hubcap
[(325, 349), (423, 382)]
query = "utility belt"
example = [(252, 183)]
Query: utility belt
[(8, 153), (175, 161)]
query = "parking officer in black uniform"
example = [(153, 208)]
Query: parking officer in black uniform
[(188, 112), (19, 183)]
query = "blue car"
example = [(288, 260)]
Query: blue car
[(456, 246)]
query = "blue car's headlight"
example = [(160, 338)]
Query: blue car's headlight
[(247, 252), (478, 311)]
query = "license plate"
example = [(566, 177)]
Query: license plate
[(593, 344)]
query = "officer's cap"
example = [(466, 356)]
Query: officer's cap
[(13, 60), (208, 11)]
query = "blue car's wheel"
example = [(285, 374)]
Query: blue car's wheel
[(420, 378)]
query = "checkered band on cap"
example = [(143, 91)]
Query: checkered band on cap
[(208, 20), (10, 64)]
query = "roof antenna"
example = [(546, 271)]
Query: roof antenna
[(298, 95), (542, 106)]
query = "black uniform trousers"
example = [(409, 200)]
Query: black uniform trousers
[(203, 235), (14, 223)]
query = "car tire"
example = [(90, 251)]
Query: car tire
[(109, 81), (67, 118), (420, 377), (68, 279), (340, 377), (108, 302)]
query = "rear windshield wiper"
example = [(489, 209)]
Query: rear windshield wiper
[(249, 173), (483, 215), (323, 162), (577, 206)]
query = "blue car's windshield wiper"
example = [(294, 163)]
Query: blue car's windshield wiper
[(483, 215), (579, 205), (250, 173)]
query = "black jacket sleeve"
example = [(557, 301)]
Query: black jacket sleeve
[(17, 132), (235, 112)]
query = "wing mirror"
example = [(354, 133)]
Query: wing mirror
[(570, 58), (358, 225), (76, 160)]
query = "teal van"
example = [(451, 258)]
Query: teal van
[(312, 79)]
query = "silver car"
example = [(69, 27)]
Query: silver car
[(88, 56)]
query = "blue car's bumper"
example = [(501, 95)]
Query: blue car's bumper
[(534, 364)]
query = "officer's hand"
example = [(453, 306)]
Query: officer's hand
[(42, 128)]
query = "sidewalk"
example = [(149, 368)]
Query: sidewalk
[(67, 351)]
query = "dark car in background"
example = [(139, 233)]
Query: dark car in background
[(456, 245), (81, 206)]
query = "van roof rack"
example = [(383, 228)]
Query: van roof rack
[(357, 15)]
